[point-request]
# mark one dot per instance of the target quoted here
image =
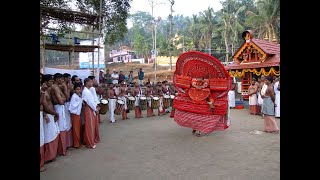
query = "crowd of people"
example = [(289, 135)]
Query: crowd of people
[(264, 100), (70, 109), (118, 78)]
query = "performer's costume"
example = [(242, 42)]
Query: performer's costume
[(203, 85)]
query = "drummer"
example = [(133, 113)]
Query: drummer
[(149, 94), (137, 92), (166, 91), (159, 92), (112, 103), (123, 96)]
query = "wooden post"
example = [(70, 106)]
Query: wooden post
[(69, 58), (43, 57), (72, 58), (43, 53)]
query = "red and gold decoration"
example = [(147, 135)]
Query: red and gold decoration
[(262, 71), (202, 83), (254, 57)]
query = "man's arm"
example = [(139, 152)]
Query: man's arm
[(56, 92), (65, 91), (47, 108), (271, 91)]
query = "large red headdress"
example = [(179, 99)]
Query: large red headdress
[(199, 77)]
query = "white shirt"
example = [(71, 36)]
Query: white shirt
[(264, 89), (75, 104), (113, 75), (89, 99), (94, 94), (275, 88)]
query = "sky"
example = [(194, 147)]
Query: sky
[(181, 7)]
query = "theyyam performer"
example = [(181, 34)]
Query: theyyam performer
[(202, 101)]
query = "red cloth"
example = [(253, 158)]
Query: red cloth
[(76, 129), (161, 112), (149, 111), (42, 156), (172, 113), (200, 78), (51, 150), (270, 125), (124, 114), (96, 129), (89, 126), (137, 112), (69, 138), (254, 109), (201, 122), (62, 145)]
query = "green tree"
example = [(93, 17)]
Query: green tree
[(266, 20)]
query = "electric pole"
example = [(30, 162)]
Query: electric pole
[(170, 34)]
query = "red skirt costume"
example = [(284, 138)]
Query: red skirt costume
[(201, 79)]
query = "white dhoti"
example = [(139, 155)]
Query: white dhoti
[(263, 92), (161, 106), (62, 122), (112, 107), (149, 101), (232, 99), (124, 99), (50, 129), (67, 115), (41, 129), (137, 101), (253, 100), (277, 102), (228, 117), (260, 100)]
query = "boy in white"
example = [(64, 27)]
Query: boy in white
[(75, 110)]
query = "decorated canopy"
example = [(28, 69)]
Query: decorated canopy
[(256, 56)]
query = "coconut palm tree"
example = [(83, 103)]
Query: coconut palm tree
[(267, 18), (207, 19), (195, 31)]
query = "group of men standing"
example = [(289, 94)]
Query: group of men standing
[(118, 78), (69, 115), (264, 99), (140, 94), (69, 110)]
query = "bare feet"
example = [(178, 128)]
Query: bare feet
[(198, 133)]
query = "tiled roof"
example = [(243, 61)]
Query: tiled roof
[(273, 60), (266, 46), (273, 56)]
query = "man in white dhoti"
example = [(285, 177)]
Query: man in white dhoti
[(90, 110), (260, 100), (264, 87), (123, 96), (58, 101), (253, 100), (50, 127), (41, 132), (232, 96), (277, 98), (112, 103), (66, 89)]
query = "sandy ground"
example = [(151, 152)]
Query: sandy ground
[(157, 148)]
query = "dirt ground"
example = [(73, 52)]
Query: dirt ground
[(157, 148)]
